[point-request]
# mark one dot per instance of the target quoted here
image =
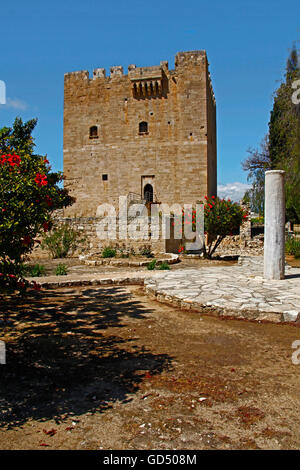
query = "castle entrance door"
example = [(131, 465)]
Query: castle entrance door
[(148, 193)]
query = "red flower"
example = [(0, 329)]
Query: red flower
[(46, 226), (2, 159), (46, 161), (41, 180), (14, 160), (26, 240), (48, 201)]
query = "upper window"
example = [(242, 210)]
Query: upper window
[(93, 132), (143, 127)]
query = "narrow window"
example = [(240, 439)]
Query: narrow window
[(104, 177), (93, 132), (143, 127)]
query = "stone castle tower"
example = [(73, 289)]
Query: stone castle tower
[(149, 135)]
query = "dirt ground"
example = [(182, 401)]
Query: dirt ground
[(77, 267), (107, 368)]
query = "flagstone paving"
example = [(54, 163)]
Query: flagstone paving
[(239, 288)]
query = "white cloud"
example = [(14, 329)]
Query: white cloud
[(233, 191), (16, 103)]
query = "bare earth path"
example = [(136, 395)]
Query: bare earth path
[(106, 367)]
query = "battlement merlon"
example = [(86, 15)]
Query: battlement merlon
[(190, 58), (80, 75)]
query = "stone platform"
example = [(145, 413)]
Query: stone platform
[(237, 290)]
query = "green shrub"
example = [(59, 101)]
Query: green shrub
[(152, 265), (61, 270), (164, 265), (108, 252), (146, 251), (257, 220), (292, 247), (35, 271), (63, 240)]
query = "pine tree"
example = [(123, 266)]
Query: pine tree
[(281, 148)]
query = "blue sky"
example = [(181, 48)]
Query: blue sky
[(247, 45)]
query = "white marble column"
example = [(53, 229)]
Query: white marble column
[(274, 243)]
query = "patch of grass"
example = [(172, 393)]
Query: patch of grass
[(35, 271), (108, 252), (61, 270), (164, 265), (152, 265)]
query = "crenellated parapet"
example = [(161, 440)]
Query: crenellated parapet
[(149, 81)]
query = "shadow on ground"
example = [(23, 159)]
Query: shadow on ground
[(62, 361)]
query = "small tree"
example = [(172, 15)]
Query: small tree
[(222, 217), (29, 193)]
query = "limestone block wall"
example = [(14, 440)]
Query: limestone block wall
[(88, 226)]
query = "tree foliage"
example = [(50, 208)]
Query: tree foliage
[(29, 193), (256, 164), (284, 136), (281, 147)]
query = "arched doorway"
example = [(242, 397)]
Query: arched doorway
[(148, 193)]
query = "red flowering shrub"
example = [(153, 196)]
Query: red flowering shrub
[(29, 192), (221, 218)]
